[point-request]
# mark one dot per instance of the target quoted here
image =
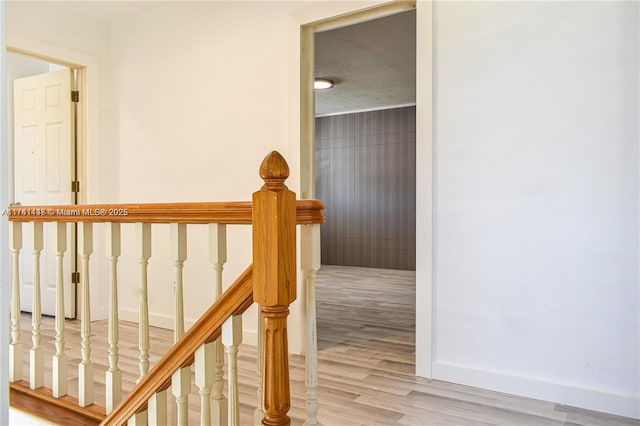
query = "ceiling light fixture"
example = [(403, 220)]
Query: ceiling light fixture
[(323, 83)]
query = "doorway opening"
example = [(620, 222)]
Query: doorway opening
[(42, 133), (364, 151)]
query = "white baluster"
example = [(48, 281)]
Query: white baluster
[(181, 379), (310, 263), (158, 408), (59, 360), (143, 247), (85, 368), (178, 236), (36, 360), (218, 257), (204, 363), (231, 338), (113, 376), (180, 388), (15, 347), (258, 414)]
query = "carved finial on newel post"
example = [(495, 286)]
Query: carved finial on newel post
[(274, 170), (274, 281)]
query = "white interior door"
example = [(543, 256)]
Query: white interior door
[(44, 167)]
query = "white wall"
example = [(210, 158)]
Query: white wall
[(202, 95), (536, 144)]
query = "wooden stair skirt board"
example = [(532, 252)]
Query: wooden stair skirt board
[(41, 403)]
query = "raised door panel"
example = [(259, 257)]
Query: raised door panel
[(43, 170)]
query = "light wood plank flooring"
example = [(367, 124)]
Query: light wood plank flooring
[(366, 364)]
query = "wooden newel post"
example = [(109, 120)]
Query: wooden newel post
[(274, 272)]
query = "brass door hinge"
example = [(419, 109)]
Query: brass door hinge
[(75, 186), (75, 96), (75, 277)]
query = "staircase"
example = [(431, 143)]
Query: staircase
[(161, 394)]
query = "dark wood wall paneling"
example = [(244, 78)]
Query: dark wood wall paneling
[(366, 175)]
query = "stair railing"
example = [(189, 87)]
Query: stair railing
[(270, 281)]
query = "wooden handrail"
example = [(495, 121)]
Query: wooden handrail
[(234, 301), (233, 213)]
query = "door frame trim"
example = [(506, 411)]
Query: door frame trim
[(87, 126), (314, 19)]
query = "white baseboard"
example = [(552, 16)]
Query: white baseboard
[(562, 393), (249, 337), (155, 320)]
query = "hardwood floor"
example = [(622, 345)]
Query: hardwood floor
[(366, 364), (366, 323)]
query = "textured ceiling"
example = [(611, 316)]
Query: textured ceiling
[(372, 63)]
